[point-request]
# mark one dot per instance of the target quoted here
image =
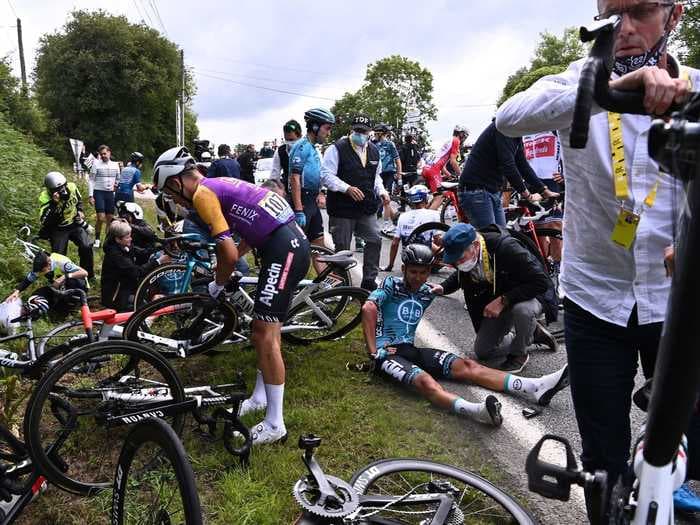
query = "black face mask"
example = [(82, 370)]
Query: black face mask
[(63, 193)]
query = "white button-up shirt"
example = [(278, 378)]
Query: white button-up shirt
[(600, 276)]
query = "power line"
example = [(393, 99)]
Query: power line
[(138, 10), (13, 9), (275, 67), (160, 20), (264, 79), (145, 10), (263, 87)]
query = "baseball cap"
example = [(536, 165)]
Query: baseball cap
[(456, 240), (361, 122)]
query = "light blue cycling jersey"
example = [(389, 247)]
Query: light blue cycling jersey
[(388, 155), (400, 311), (304, 160)]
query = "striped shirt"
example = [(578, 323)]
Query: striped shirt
[(103, 176)]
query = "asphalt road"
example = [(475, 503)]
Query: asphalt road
[(446, 325)]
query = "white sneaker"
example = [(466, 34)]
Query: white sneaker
[(96, 244), (264, 433)]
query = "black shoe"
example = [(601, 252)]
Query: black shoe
[(369, 285), (542, 336), (561, 384), (514, 364)]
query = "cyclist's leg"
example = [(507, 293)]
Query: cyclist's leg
[(81, 239), (602, 365), (100, 210), (367, 228), (478, 206), (314, 224), (59, 241), (285, 261)]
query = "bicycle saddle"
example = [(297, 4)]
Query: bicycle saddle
[(447, 186), (343, 259)]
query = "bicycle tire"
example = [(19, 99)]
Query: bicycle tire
[(157, 432), (418, 231), (212, 316), (59, 336), (54, 392), (150, 286), (370, 479), (344, 295)]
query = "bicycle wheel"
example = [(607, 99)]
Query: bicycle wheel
[(448, 212), (16, 471), (182, 325), (410, 480), (73, 422), (71, 333), (329, 314), (154, 492), (424, 233), (167, 280)]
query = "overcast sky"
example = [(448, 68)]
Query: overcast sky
[(321, 49)]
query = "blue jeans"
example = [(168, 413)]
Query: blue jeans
[(483, 207)]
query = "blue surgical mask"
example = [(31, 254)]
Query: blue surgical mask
[(359, 139)]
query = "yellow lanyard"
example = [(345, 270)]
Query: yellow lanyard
[(486, 264), (617, 149)]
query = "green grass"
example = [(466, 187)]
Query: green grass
[(360, 417)]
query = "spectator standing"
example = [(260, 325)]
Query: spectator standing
[(225, 165), (280, 160), (101, 185), (246, 161)]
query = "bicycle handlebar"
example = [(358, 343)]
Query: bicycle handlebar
[(594, 82)]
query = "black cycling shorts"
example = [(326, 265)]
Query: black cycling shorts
[(284, 262), (409, 361), (314, 219)]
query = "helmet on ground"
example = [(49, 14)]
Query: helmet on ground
[(381, 128), (319, 116), (171, 163), (461, 129), (54, 180), (417, 254), (136, 157), (37, 305), (418, 193), (129, 207), (8, 312)]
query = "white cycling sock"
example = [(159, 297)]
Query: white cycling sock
[(259, 398), (488, 412), (534, 388), (275, 402), (463, 407)]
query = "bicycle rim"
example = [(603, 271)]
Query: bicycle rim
[(71, 333), (67, 420), (158, 491), (166, 280), (448, 212), (341, 306), (182, 325), (474, 500)]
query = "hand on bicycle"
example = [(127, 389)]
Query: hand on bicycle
[(558, 178), (355, 194), (660, 90)]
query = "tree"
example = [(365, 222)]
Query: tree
[(393, 86), (107, 81), (552, 56), (687, 38)]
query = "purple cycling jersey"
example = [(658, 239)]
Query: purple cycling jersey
[(229, 206)]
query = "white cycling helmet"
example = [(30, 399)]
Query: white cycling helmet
[(461, 129), (418, 193), (8, 311), (171, 163), (206, 157), (130, 207), (54, 180)]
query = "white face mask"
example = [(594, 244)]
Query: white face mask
[(290, 143), (467, 266)]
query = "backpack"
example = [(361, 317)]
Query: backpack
[(549, 299)]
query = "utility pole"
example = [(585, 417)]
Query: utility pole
[(21, 56), (182, 97)]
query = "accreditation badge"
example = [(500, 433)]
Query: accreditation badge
[(625, 228)]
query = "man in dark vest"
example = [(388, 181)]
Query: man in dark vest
[(280, 160), (351, 171), (225, 165)]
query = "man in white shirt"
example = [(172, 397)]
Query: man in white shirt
[(351, 170), (102, 182), (616, 291)]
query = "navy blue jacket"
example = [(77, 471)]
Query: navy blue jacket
[(224, 167)]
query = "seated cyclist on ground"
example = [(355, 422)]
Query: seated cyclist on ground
[(143, 236), (390, 318), (418, 215), (61, 273)]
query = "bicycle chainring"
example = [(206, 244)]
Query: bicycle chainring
[(307, 495)]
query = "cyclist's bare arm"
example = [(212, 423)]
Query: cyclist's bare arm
[(393, 251), (295, 190), (226, 257), (370, 313)]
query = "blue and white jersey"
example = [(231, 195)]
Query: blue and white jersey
[(388, 155), (305, 160), (400, 311)]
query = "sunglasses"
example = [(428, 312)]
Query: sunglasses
[(642, 12)]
